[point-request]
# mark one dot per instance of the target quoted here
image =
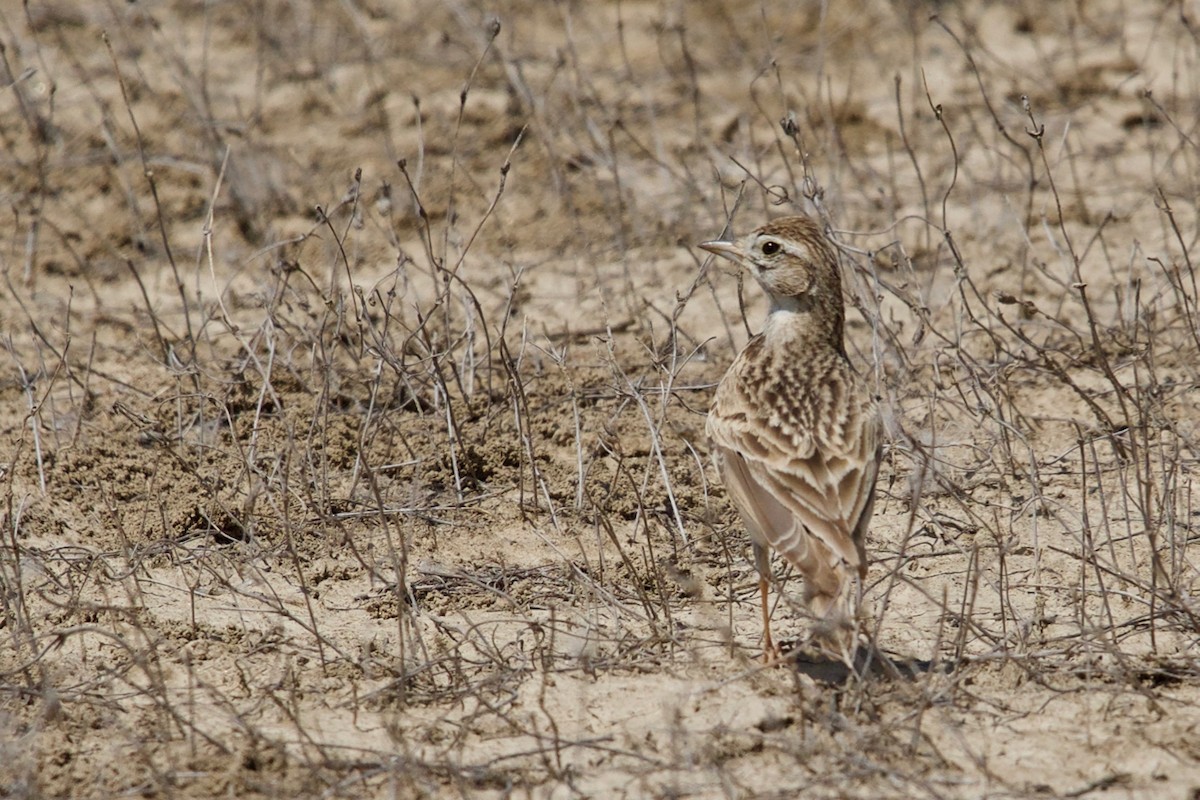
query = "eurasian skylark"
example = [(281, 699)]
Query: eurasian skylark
[(795, 432)]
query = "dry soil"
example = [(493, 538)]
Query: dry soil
[(354, 360)]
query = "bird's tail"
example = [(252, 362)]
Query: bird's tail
[(833, 604)]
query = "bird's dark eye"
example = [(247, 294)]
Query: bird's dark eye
[(770, 248)]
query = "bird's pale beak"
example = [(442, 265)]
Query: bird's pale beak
[(728, 250)]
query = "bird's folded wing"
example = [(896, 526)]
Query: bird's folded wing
[(827, 490)]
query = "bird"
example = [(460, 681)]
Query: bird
[(794, 430)]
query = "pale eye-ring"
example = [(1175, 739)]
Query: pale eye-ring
[(770, 248)]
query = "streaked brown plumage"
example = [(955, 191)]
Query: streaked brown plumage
[(795, 432)]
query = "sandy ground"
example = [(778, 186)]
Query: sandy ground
[(356, 356)]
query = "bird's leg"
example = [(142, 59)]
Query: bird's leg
[(762, 560), (769, 650)]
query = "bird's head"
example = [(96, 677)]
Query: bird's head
[(790, 257), (795, 264)]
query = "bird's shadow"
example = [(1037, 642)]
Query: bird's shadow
[(867, 662)]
